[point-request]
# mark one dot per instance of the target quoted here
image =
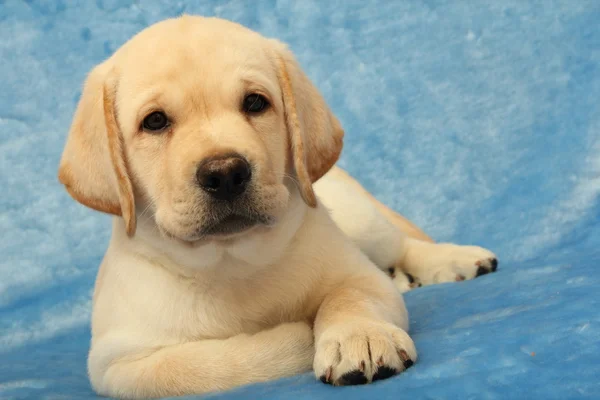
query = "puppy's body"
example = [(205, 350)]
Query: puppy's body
[(228, 314), (204, 140)]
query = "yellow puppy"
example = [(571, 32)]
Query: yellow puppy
[(204, 140)]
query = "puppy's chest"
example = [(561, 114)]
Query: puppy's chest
[(220, 309)]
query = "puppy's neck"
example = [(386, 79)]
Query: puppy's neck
[(260, 247)]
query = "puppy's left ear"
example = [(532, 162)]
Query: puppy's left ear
[(316, 136)]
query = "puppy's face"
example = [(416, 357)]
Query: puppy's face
[(204, 130), (204, 127)]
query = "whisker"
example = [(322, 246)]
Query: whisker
[(150, 204)]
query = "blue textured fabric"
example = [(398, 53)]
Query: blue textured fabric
[(479, 120)]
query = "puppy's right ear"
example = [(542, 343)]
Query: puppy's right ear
[(93, 165), (316, 136)]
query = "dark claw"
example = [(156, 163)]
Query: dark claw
[(383, 373), (326, 377), (411, 279), (405, 359), (494, 265), (481, 271), (355, 377)]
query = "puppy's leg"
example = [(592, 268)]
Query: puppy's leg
[(203, 366), (365, 221), (337, 183), (392, 242), (361, 332), (353, 211)]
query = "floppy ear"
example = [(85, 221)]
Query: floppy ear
[(93, 165), (316, 136)]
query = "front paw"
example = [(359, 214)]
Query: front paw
[(362, 352), (403, 280), (459, 263)]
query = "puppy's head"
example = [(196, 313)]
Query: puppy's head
[(202, 126)]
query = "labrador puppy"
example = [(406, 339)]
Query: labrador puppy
[(205, 140)]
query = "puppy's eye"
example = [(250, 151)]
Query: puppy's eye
[(156, 121), (255, 103)]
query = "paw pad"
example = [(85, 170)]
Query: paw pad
[(384, 373), (494, 263), (491, 265), (355, 377)]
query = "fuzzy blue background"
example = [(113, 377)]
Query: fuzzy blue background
[(479, 120)]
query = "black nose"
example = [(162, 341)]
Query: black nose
[(224, 178)]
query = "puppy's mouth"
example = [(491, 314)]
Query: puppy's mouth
[(226, 227), (231, 225)]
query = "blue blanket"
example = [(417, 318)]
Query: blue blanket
[(479, 120)]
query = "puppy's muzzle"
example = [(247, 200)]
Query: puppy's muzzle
[(224, 178)]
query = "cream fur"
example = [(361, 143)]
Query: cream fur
[(179, 312), (395, 242)]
